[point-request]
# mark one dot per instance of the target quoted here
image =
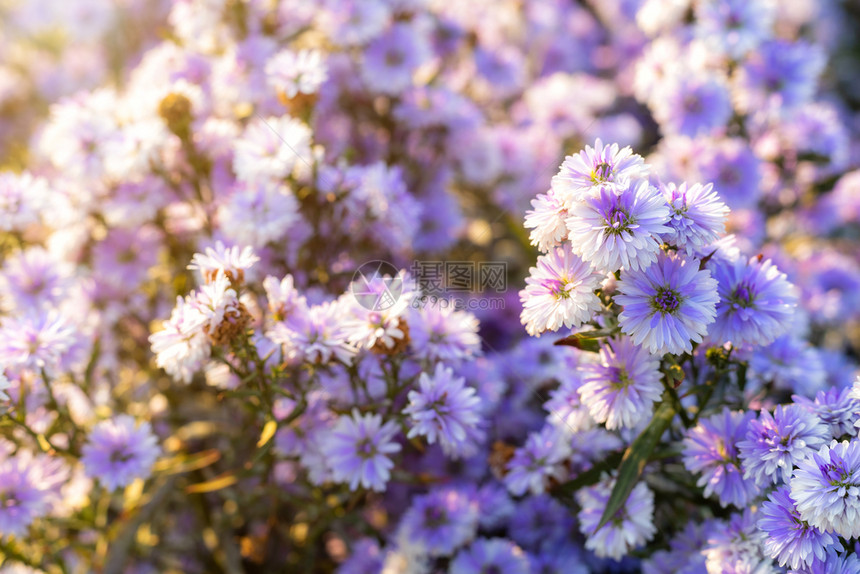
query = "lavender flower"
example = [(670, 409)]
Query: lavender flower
[(694, 106), (181, 346), (391, 59), (711, 448), (357, 449), (547, 221), (36, 340), (25, 493), (631, 527), (612, 230), (495, 555), (292, 73), (601, 167), (846, 563), (315, 335), (835, 407), (733, 546), (443, 520), (445, 408), (826, 488), (559, 292), (756, 301), (775, 443), (668, 305), (698, 216), (787, 538), (118, 451), (443, 333), (621, 388), (232, 262), (539, 459)]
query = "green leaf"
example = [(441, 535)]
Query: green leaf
[(635, 458), (586, 340)]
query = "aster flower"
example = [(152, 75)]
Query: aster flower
[(566, 409), (631, 527), (315, 334), (292, 73), (445, 408), (282, 297), (271, 149), (698, 216), (34, 279), (547, 221), (837, 408), (775, 443), (366, 558), (36, 340), (540, 521), (378, 306), (756, 301), (780, 74), (443, 333), (26, 493), (258, 213), (669, 305), (790, 364), (22, 200), (734, 169), (229, 261), (217, 302), (537, 461), (711, 448), (612, 230), (734, 27), (788, 539), (357, 450), (694, 105), (684, 555), (494, 505), (733, 546), (845, 563), (621, 388), (826, 488), (601, 167), (559, 292), (181, 347), (392, 58), (490, 555), (443, 520), (118, 451)]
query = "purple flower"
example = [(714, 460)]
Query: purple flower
[(668, 305), (710, 448), (835, 563), (734, 27), (540, 521), (26, 493), (631, 527), (694, 106), (34, 279), (788, 539), (366, 558), (684, 555), (118, 451), (391, 59), (494, 505), (358, 448), (826, 488), (611, 230), (601, 167), (293, 73), (733, 546), (756, 301), (440, 332), (789, 364), (445, 408), (775, 443), (559, 292), (547, 221), (780, 74), (539, 459), (698, 216), (621, 388), (316, 335), (442, 520), (36, 341), (734, 170), (490, 555), (836, 408)]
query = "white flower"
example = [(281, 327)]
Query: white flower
[(547, 222), (271, 149), (296, 72)]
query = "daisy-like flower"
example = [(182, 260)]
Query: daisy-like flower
[(539, 459), (443, 333), (710, 448), (118, 451), (621, 389), (229, 261), (497, 555), (391, 59), (756, 301), (270, 149), (181, 347), (610, 167), (25, 493), (357, 450), (733, 546), (559, 292), (22, 200), (445, 409), (775, 443), (217, 302), (632, 525), (443, 520), (836, 408), (258, 213), (698, 216), (826, 488), (694, 105), (315, 334), (34, 279), (547, 221), (734, 27), (845, 563), (669, 305), (283, 298), (36, 340), (378, 305), (611, 230), (292, 73), (787, 538)]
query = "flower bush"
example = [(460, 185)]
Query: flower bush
[(412, 287)]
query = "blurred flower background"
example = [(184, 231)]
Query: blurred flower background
[(282, 283)]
